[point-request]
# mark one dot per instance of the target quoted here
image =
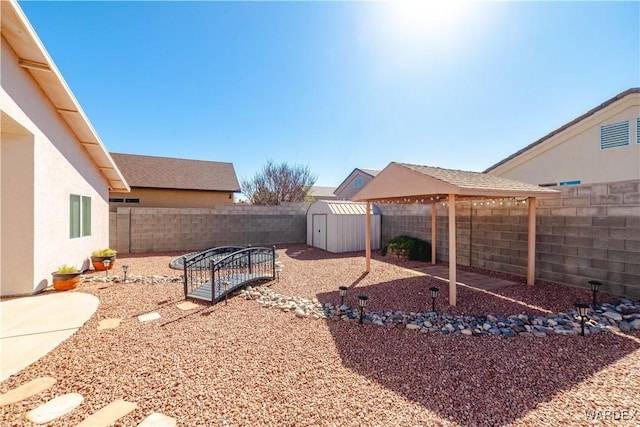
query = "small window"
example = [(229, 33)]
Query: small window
[(132, 200), (79, 216), (357, 183), (116, 200), (614, 135)]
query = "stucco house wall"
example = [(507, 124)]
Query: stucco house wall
[(42, 164), (573, 154), (169, 198)]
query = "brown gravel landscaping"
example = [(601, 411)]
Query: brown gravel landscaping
[(243, 365)]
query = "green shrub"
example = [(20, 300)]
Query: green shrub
[(65, 269), (103, 253), (418, 249)]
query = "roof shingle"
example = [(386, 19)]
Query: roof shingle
[(181, 174)]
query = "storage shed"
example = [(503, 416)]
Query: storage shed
[(340, 226)]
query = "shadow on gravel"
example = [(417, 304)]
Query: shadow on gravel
[(469, 380)]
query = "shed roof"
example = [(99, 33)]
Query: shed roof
[(407, 183), (33, 56), (180, 174), (341, 207)]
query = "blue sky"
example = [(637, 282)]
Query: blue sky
[(338, 85)]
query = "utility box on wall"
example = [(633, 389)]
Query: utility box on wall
[(340, 226)]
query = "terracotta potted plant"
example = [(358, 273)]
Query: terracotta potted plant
[(66, 278), (99, 257)]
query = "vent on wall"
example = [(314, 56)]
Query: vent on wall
[(638, 130), (614, 135)]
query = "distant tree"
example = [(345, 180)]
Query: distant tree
[(277, 183)]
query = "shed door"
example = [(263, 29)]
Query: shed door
[(320, 231)]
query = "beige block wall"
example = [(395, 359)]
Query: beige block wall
[(575, 153), (166, 198), (55, 167), (589, 232)]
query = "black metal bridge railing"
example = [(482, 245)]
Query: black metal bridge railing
[(212, 274)]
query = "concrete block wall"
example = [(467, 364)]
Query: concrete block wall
[(143, 230), (589, 232)]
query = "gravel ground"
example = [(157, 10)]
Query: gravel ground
[(241, 365)]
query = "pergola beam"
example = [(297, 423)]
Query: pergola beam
[(452, 250), (368, 237), (531, 247)]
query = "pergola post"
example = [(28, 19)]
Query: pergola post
[(433, 233), (368, 243), (452, 250), (531, 249)]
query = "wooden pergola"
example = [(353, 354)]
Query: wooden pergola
[(405, 183)]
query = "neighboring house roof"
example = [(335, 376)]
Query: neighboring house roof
[(322, 192), (371, 172), (33, 56), (566, 126), (179, 174), (400, 181)]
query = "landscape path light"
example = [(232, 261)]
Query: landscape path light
[(434, 295), (106, 264), (595, 286), (362, 301), (124, 270), (582, 311), (343, 292)]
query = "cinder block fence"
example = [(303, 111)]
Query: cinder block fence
[(588, 232)]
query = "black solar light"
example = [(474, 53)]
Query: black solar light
[(343, 293), (595, 285), (362, 301), (582, 311), (106, 264), (434, 295), (225, 285), (124, 270)]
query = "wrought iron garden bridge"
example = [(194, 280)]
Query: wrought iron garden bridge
[(213, 274)]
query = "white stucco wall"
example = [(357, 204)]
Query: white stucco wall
[(61, 167), (575, 154)]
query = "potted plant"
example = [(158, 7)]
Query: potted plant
[(66, 278), (99, 257)]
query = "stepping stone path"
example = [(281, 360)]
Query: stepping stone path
[(109, 323), (149, 316), (187, 305), (158, 420), (55, 408), (109, 414), (62, 405), (27, 390)]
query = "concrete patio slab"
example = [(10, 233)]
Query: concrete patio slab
[(32, 326), (468, 278)]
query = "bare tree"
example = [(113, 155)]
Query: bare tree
[(278, 183)]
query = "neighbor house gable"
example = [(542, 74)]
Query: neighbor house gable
[(601, 145), (355, 181)]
